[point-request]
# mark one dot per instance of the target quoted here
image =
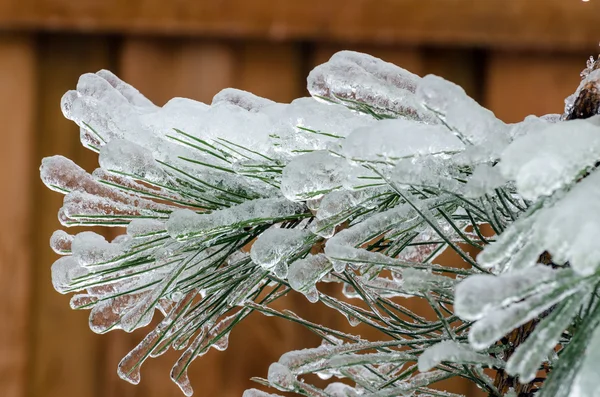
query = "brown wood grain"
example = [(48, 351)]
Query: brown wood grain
[(519, 84), (501, 23), (64, 352), (17, 109)]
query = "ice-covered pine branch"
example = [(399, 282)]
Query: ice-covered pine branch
[(363, 185)]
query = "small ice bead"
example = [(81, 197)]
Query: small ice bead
[(60, 242), (280, 376), (311, 175)]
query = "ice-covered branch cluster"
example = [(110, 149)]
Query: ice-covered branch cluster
[(229, 206)]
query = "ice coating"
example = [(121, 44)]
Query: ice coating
[(351, 76), (303, 274), (569, 233), (258, 393), (186, 223), (585, 383), (390, 140), (484, 180), (197, 184), (91, 249), (498, 322), (275, 246), (429, 171), (542, 162), (145, 227), (281, 377), (61, 242), (327, 172), (527, 358), (130, 158), (480, 294), (244, 99), (475, 124), (459, 353)]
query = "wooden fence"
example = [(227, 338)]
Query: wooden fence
[(517, 57)]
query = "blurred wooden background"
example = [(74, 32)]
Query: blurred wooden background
[(517, 57)]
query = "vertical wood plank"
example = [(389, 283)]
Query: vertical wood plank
[(17, 103), (519, 84), (459, 65), (270, 70), (64, 350)]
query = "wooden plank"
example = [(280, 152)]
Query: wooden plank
[(521, 84), (515, 23), (270, 70), (164, 68), (65, 356), (17, 103)]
